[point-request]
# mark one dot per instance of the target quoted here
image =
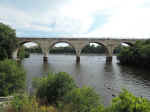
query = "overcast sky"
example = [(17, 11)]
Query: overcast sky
[(72, 18)]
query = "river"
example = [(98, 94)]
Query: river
[(106, 79)]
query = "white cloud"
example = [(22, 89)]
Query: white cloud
[(126, 18), (62, 22), (127, 23)]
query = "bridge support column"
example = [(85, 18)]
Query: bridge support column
[(77, 59), (45, 46), (14, 54), (45, 57), (109, 59), (109, 53), (45, 52), (78, 52)]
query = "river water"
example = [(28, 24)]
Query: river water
[(106, 79)]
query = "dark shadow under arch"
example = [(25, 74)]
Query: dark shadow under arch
[(21, 44), (118, 47), (99, 44), (128, 43), (59, 42), (28, 41)]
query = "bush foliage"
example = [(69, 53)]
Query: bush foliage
[(8, 41), (83, 99), (25, 103), (127, 102), (12, 77), (53, 87), (137, 55), (23, 53), (60, 88)]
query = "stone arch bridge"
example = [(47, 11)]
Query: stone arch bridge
[(77, 43)]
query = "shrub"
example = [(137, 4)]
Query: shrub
[(83, 100), (12, 77), (136, 55), (25, 103), (23, 53), (126, 102), (47, 109), (53, 87), (8, 41)]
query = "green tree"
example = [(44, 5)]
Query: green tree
[(12, 77), (136, 55), (8, 41), (93, 49), (83, 99), (23, 53), (127, 102), (52, 88)]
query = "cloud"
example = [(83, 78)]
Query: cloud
[(125, 18), (51, 21), (126, 23)]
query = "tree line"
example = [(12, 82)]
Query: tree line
[(137, 55), (58, 50)]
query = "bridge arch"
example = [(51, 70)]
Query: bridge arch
[(126, 42), (54, 44), (20, 44), (28, 41), (104, 47), (62, 41), (117, 47), (98, 43)]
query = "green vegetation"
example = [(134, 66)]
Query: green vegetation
[(8, 41), (25, 103), (52, 88), (127, 102), (137, 55), (59, 50), (12, 77), (58, 92), (67, 97), (83, 99), (93, 49), (34, 50), (117, 49), (69, 50), (23, 53)]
